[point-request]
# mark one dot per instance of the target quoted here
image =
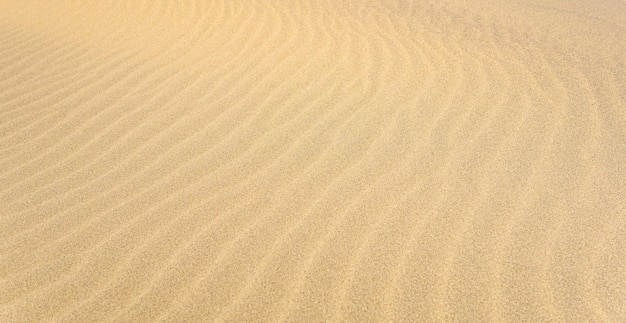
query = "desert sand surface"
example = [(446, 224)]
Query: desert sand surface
[(312, 160)]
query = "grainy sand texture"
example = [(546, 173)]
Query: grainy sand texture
[(312, 160)]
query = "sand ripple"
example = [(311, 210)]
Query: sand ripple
[(312, 160)]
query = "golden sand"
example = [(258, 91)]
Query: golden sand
[(312, 160)]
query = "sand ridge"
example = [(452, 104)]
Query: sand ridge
[(269, 160)]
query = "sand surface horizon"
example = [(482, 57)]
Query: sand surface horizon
[(312, 160)]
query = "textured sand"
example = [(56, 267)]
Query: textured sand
[(312, 160)]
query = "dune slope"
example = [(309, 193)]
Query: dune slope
[(312, 160)]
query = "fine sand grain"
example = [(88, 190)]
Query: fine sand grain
[(312, 160)]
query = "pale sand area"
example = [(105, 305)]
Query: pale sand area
[(312, 160)]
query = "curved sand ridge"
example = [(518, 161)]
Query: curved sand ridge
[(312, 160)]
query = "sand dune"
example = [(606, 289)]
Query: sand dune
[(268, 160)]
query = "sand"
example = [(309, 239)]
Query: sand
[(312, 160)]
